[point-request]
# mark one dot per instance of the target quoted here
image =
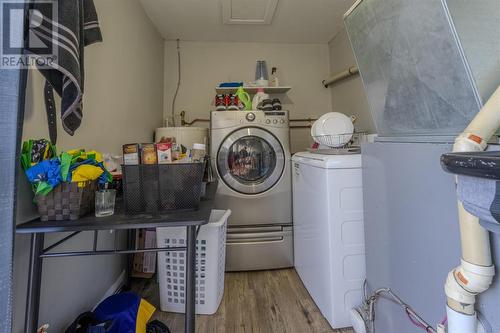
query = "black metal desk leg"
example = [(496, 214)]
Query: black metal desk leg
[(34, 282), (190, 325)]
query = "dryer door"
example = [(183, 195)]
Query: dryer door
[(250, 160)]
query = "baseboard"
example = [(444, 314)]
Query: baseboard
[(116, 286)]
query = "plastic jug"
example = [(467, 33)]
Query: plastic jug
[(258, 98), (244, 98)]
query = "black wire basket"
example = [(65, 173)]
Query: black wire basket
[(162, 188)]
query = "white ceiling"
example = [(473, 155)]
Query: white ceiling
[(295, 21)]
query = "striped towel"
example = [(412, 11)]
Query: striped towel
[(75, 26)]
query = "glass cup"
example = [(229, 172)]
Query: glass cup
[(105, 202), (261, 71)]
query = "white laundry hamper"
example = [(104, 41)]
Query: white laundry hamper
[(210, 265)]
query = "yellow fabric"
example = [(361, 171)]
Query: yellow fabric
[(144, 313), (83, 155), (74, 151), (85, 172)]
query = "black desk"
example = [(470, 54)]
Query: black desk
[(189, 219)]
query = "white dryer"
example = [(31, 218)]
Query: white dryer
[(250, 151), (329, 232)]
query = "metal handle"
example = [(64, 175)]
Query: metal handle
[(259, 237), (251, 230), (255, 235), (258, 240)]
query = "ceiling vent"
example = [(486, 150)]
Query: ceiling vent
[(248, 11)]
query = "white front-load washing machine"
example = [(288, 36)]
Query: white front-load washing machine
[(250, 152)]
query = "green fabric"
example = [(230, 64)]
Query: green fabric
[(91, 156), (43, 188), (35, 151), (25, 162), (26, 154), (76, 156), (66, 160)]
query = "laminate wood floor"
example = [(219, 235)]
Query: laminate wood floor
[(254, 302)]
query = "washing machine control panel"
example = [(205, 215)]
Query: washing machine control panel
[(225, 119), (276, 118)]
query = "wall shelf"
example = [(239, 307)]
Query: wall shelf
[(253, 90)]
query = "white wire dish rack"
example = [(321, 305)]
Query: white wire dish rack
[(339, 144)]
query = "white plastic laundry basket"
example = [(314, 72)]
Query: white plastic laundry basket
[(210, 263)]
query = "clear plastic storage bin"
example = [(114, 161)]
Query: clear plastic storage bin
[(210, 265)]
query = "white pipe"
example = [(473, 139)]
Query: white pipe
[(475, 239), (475, 137), (353, 70), (476, 271), (459, 322)]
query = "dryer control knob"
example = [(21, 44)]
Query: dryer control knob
[(250, 116), (275, 121), (268, 121), (282, 121)]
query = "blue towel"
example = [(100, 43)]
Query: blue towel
[(477, 195), (231, 84), (481, 198)]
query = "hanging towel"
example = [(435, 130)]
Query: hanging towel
[(75, 26)]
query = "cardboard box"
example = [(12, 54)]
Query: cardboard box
[(164, 151), (148, 153), (149, 262), (144, 264), (131, 154)]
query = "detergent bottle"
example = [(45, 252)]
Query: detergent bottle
[(244, 98), (258, 98)]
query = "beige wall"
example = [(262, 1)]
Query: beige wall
[(348, 96), (206, 64), (123, 103), (123, 99)]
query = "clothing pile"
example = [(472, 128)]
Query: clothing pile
[(45, 170)]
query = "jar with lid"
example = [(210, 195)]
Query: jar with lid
[(198, 152)]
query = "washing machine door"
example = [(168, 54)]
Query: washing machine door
[(250, 160)]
